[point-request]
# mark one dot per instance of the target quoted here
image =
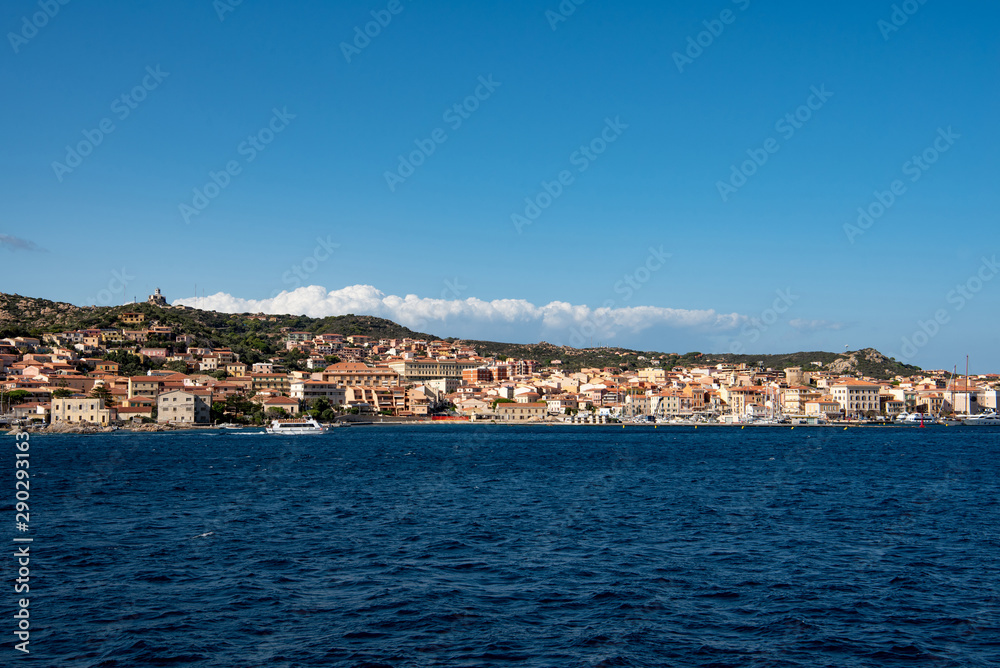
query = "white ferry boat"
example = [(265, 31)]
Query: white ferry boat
[(296, 427), (916, 418), (990, 419)]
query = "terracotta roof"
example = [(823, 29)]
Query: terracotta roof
[(281, 400)]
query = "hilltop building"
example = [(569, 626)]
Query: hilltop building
[(157, 299)]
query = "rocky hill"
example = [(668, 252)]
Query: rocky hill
[(23, 314), (867, 362)]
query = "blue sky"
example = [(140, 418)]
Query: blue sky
[(641, 246)]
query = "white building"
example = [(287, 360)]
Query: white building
[(80, 409), (183, 407), (307, 391), (856, 396), (442, 386), (972, 402)]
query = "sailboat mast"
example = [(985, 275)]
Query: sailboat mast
[(954, 374), (968, 407)]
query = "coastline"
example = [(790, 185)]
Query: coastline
[(210, 428)]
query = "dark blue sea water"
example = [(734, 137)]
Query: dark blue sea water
[(530, 546)]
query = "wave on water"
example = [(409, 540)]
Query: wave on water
[(427, 546)]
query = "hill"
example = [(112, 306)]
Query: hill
[(254, 339), (867, 362)]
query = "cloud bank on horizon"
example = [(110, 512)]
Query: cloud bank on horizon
[(570, 323)]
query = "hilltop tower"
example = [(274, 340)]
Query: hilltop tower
[(157, 299)]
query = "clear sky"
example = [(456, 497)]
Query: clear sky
[(661, 175)]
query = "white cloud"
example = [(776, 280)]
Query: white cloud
[(472, 318)]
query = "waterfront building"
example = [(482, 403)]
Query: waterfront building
[(184, 407), (79, 408), (795, 398), (856, 396), (290, 406), (825, 408), (515, 412)]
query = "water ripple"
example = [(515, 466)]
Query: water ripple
[(482, 546)]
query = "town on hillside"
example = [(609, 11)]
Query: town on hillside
[(145, 372)]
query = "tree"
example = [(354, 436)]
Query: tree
[(61, 393), (293, 359), (240, 406), (17, 396), (102, 392), (129, 364), (319, 406), (177, 367)]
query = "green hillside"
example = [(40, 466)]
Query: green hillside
[(254, 339)]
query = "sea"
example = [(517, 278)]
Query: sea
[(463, 545)]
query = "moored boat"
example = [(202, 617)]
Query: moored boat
[(990, 419)]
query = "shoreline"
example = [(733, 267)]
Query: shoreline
[(656, 426), (840, 426)]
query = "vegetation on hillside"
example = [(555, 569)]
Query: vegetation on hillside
[(255, 340), (252, 339)]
